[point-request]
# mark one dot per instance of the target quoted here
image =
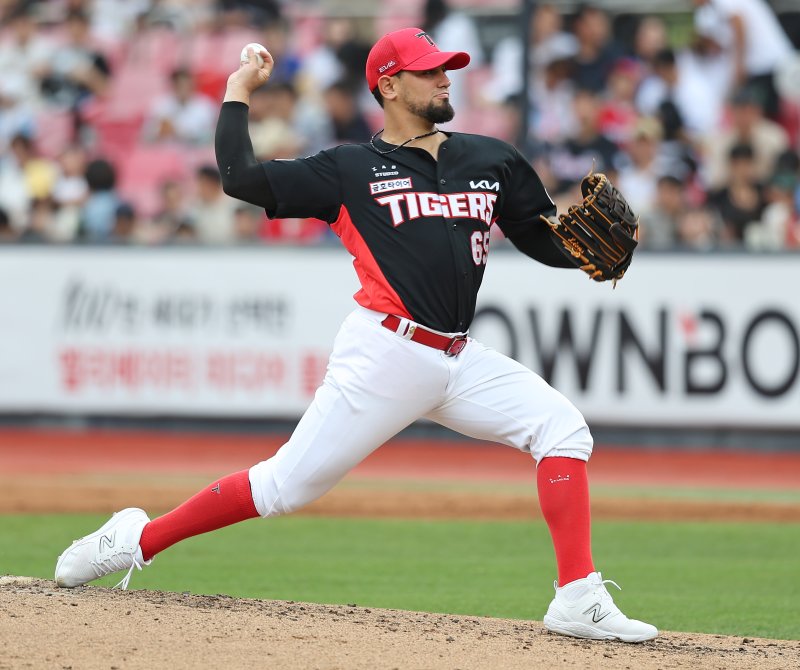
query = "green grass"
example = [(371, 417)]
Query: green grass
[(738, 579)]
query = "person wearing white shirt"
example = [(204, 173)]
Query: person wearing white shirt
[(184, 115), (751, 34)]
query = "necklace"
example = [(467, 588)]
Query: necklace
[(399, 146)]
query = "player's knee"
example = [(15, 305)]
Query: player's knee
[(578, 444), (274, 498)]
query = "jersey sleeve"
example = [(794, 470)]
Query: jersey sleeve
[(525, 198), (305, 187), (525, 202)]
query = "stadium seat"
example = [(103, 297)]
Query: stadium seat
[(145, 169), (55, 130)]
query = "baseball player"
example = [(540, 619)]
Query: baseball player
[(414, 207)]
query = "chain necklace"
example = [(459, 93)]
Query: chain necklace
[(399, 146)]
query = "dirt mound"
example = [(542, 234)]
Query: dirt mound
[(89, 627)]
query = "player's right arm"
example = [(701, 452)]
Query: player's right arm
[(302, 188), (242, 175), (241, 172)]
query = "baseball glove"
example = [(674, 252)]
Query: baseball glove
[(600, 233)]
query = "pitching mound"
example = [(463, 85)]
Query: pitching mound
[(43, 626)]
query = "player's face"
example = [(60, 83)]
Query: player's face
[(426, 94)]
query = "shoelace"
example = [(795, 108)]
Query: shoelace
[(603, 582), (127, 578), (114, 564)]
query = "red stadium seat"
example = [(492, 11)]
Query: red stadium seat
[(55, 130), (145, 169)]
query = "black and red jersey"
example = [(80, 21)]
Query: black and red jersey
[(417, 227)]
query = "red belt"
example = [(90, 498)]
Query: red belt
[(451, 346)]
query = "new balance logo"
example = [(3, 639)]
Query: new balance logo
[(484, 183), (107, 541), (597, 614)]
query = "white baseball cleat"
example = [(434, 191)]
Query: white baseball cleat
[(114, 547), (584, 608)]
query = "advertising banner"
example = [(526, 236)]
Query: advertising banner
[(683, 340)]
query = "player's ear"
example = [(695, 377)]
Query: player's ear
[(388, 87)]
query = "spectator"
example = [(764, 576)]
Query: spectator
[(76, 70), (16, 113), (453, 30), (551, 43), (704, 60), (7, 232), (698, 229), (779, 226), (347, 120), (212, 211), (271, 134), (576, 157), (597, 51), (618, 114), (172, 215), (183, 115), (742, 200), (277, 37), (70, 191), (641, 168), (284, 125), (659, 229), (672, 89), (246, 13), (24, 54), (99, 209), (321, 66), (248, 223), (748, 126), (125, 224), (42, 223), (116, 19), (650, 37), (753, 39), (24, 176), (553, 93), (186, 233), (71, 187)]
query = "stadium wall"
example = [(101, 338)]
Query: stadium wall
[(683, 340)]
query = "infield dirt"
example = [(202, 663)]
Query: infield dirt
[(42, 626)]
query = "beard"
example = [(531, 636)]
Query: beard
[(436, 111)]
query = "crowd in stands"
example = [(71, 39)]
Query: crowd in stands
[(108, 110)]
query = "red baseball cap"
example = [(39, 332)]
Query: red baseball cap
[(409, 49)]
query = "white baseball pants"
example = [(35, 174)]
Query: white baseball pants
[(377, 383)]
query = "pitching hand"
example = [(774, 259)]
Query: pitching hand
[(249, 76)]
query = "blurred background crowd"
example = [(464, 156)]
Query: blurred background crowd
[(108, 110)]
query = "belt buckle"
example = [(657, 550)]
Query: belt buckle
[(456, 346)]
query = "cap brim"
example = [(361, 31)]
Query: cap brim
[(451, 60)]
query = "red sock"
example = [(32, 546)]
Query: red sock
[(564, 498), (225, 502)]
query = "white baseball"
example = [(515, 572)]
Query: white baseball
[(255, 46)]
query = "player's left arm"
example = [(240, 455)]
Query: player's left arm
[(525, 201)]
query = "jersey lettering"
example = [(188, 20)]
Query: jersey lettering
[(484, 183), (389, 185), (480, 247), (409, 206)]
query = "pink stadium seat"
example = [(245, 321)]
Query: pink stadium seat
[(145, 169), (54, 131), (158, 49), (117, 137), (133, 89)]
